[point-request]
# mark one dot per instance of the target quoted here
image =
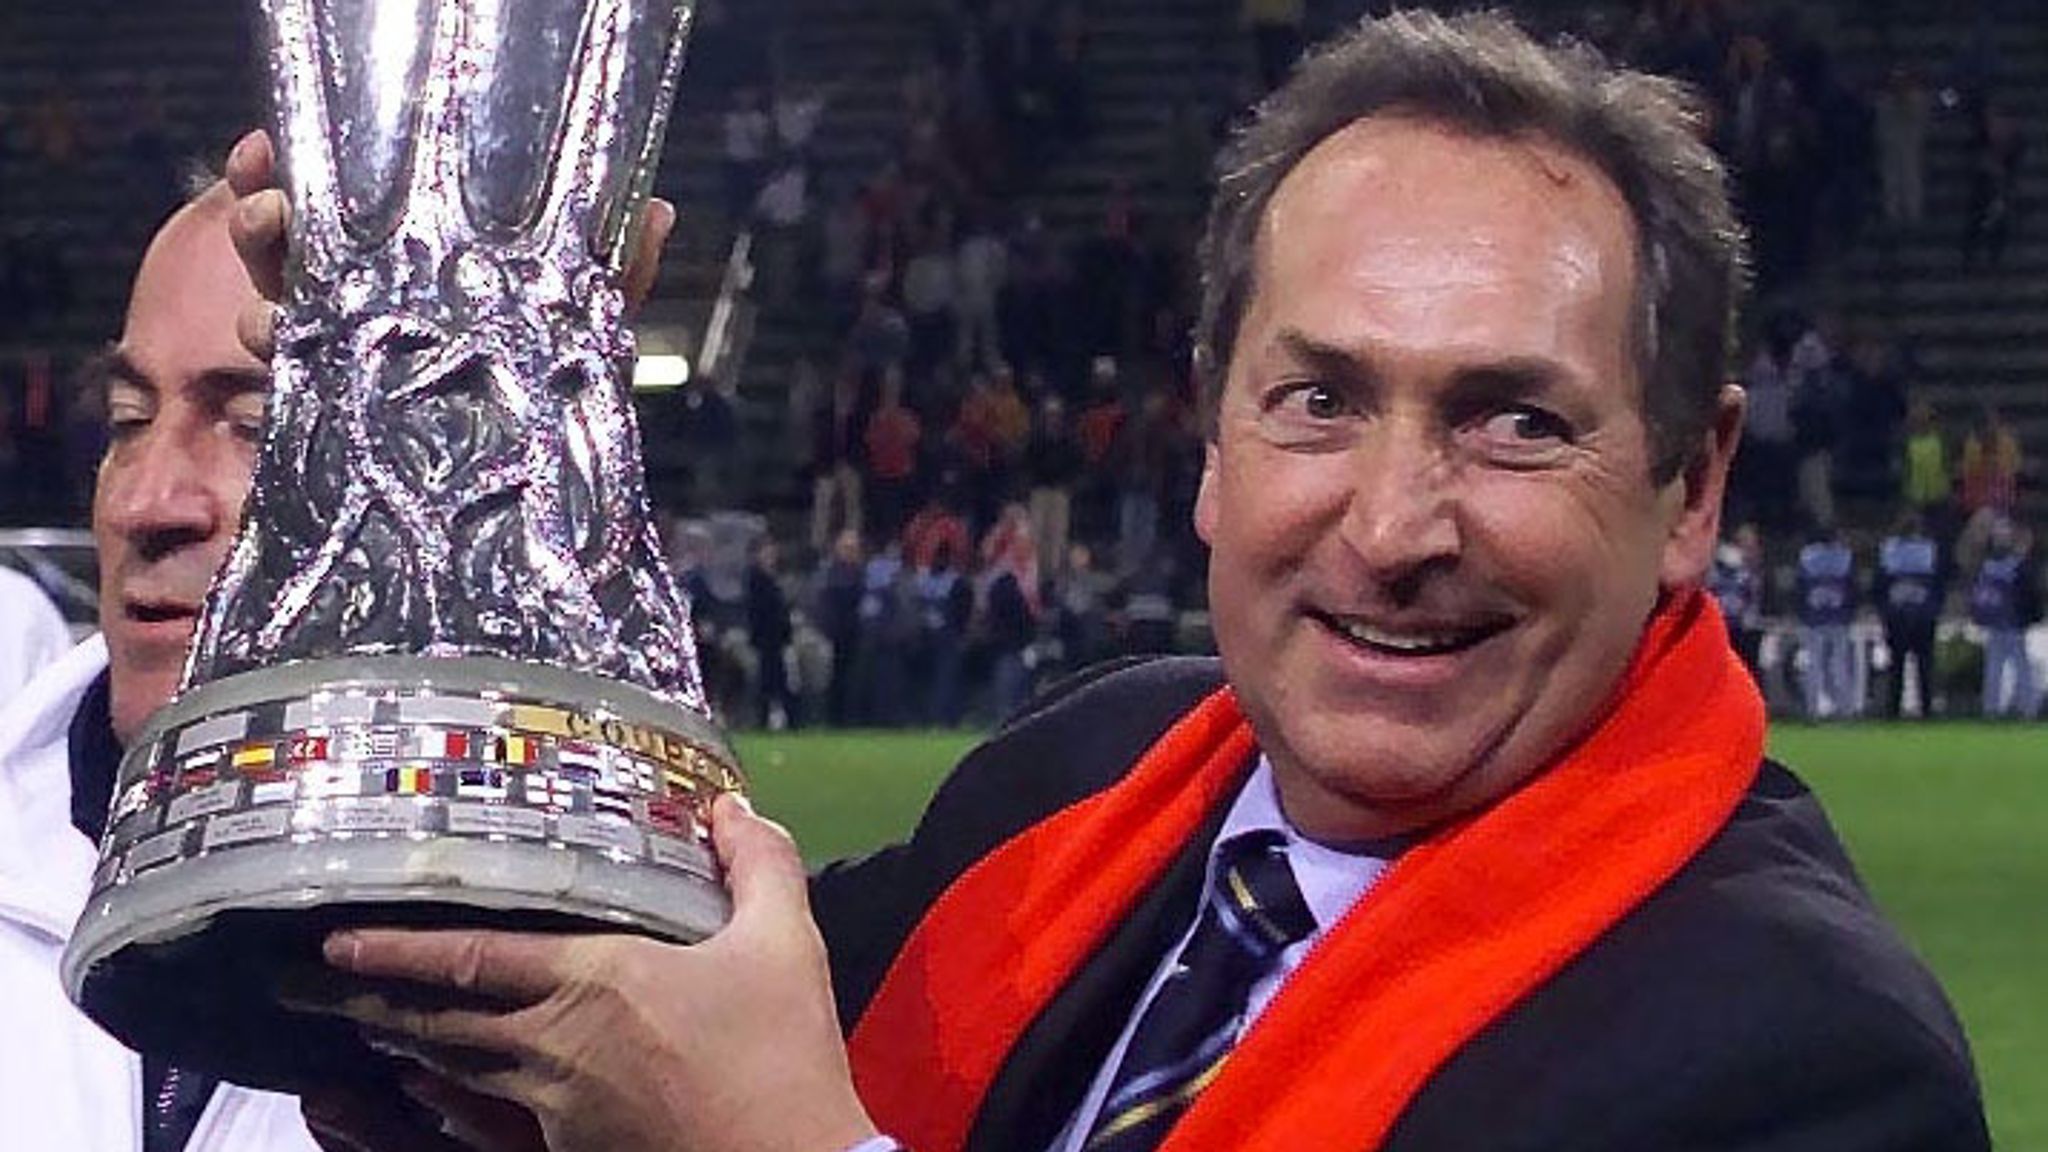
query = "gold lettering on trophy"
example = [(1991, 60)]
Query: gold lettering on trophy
[(681, 758), (552, 721)]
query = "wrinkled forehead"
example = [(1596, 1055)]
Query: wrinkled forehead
[(189, 292), (1399, 232)]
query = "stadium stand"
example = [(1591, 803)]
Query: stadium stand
[(994, 203)]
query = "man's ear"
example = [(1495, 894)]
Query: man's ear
[(1205, 495), (1694, 495)]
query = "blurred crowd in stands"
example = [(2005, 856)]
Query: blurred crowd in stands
[(996, 430)]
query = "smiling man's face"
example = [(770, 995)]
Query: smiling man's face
[(1435, 534), (185, 407)]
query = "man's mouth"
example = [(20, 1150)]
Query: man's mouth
[(1425, 638), (159, 611)]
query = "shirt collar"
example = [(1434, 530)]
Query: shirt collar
[(1331, 880)]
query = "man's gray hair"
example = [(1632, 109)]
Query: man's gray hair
[(1481, 74)]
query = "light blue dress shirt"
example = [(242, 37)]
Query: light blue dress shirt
[(1331, 882)]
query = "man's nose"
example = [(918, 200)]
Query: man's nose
[(162, 500), (1400, 517)]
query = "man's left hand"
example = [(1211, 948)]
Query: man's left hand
[(621, 1043)]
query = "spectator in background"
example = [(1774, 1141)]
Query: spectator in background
[(888, 637), (748, 132), (1826, 607), (1103, 413), (1766, 463), (843, 256), (1736, 581), (837, 426), (708, 428), (1085, 597), (1816, 418), (1009, 609), (1902, 117), (782, 214), (930, 294), (770, 629), (1009, 414), (796, 112), (945, 611), (1989, 492), (1052, 468), (836, 602), (1034, 337), (1909, 598), (2005, 602), (936, 528), (980, 269), (880, 337), (891, 438), (1926, 478), (1141, 462), (1991, 465), (971, 441), (1995, 151), (1872, 397)]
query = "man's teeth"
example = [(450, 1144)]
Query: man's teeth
[(1402, 641)]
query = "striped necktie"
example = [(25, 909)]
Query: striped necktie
[(1253, 913)]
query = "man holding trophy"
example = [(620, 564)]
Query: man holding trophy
[(1469, 841)]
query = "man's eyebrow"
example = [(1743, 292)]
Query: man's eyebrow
[(1510, 378), (110, 365), (228, 383), (1323, 358)]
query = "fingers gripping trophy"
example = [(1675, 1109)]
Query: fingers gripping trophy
[(444, 675)]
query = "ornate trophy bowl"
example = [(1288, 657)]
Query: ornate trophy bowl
[(444, 676)]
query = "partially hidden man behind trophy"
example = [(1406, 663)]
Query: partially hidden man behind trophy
[(1469, 841), (185, 404)]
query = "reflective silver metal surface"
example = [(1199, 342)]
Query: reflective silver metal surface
[(452, 466), (445, 671)]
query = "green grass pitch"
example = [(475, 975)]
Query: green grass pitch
[(1948, 824)]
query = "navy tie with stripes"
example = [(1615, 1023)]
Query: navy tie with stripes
[(1254, 912)]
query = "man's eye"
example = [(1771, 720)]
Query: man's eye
[(1522, 425), (1314, 401), (125, 426)]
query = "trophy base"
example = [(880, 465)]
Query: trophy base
[(261, 812)]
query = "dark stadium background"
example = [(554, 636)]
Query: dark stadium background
[(1073, 138)]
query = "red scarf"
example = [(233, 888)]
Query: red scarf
[(1467, 923)]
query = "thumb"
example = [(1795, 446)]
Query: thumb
[(762, 866)]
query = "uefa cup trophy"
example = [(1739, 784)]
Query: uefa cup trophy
[(444, 676)]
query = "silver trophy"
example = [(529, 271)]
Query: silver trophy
[(445, 675)]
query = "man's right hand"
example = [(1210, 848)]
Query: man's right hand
[(261, 225), (621, 1043)]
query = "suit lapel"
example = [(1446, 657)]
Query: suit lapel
[(1047, 1072)]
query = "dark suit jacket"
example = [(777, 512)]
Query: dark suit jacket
[(1758, 1001)]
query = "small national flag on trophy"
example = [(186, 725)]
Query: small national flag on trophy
[(304, 749), (518, 750), (671, 815), (253, 756), (409, 780), (442, 744), (631, 773), (584, 761), (480, 784), (199, 771), (549, 789), (608, 799)]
